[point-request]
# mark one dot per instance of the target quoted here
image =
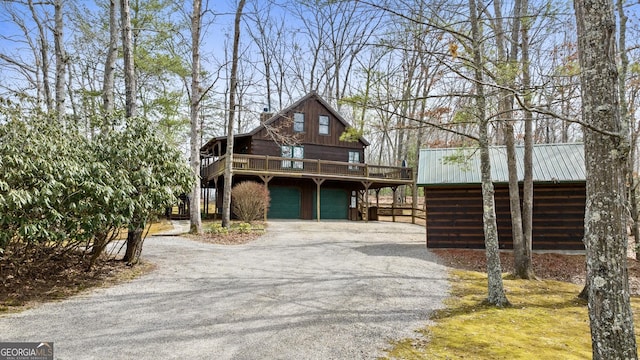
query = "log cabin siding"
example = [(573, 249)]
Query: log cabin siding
[(311, 151), (454, 216), (312, 111)]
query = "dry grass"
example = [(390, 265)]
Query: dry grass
[(546, 321)]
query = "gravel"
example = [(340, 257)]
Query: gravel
[(304, 290)]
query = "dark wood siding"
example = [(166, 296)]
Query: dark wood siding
[(454, 216), (312, 109), (311, 151)]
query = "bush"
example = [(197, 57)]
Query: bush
[(249, 201), (244, 228), (218, 229), (61, 191)]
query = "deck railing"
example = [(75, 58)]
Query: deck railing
[(257, 164)]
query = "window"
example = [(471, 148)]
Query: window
[(323, 129), (354, 158), (298, 122), (294, 152)]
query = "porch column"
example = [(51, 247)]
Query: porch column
[(215, 206), (366, 185), (318, 182), (265, 179)]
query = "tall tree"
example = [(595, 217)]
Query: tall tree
[(194, 205), (233, 85), (61, 59), (136, 226), (525, 268), (131, 88), (496, 295), (110, 62), (606, 152), (507, 65)]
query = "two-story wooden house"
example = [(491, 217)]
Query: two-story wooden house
[(310, 172)]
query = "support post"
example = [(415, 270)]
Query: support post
[(365, 215), (393, 204), (414, 202), (206, 200), (318, 182), (265, 179)]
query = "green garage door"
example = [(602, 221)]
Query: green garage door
[(334, 204), (285, 203)]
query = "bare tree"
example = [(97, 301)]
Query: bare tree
[(195, 216), (134, 234), (127, 51), (61, 59), (527, 186), (496, 294), (233, 84), (44, 55), (507, 49), (110, 62), (606, 153)]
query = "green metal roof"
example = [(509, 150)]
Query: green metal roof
[(551, 163)]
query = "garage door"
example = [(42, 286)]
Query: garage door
[(334, 204), (285, 203)]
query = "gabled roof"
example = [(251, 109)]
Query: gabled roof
[(551, 163), (282, 112)]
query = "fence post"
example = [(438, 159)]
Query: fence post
[(414, 202)]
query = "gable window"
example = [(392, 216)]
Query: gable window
[(292, 152), (354, 158), (323, 122), (298, 122)]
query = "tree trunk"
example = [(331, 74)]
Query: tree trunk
[(228, 170), (525, 267), (506, 62), (110, 63), (194, 209), (496, 295), (129, 68), (134, 236), (626, 120), (134, 246), (44, 56), (606, 154), (61, 59), (635, 221)]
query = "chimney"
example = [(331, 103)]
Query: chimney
[(265, 115)]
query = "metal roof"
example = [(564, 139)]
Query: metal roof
[(551, 163)]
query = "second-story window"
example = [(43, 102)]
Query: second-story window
[(292, 152), (354, 158), (298, 122), (323, 122)]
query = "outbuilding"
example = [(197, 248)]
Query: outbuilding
[(453, 198)]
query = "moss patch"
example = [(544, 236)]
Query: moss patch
[(546, 321)]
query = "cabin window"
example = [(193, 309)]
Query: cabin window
[(323, 129), (292, 152), (354, 158), (298, 122)]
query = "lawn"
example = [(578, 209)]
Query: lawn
[(546, 321)]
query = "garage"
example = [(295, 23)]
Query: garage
[(334, 204), (285, 202)]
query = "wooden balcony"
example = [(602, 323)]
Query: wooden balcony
[(258, 165)]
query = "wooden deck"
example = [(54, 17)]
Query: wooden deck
[(294, 168)]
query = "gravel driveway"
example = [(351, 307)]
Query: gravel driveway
[(305, 290)]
